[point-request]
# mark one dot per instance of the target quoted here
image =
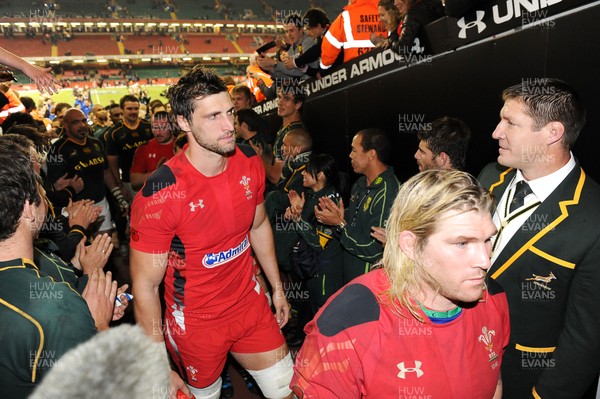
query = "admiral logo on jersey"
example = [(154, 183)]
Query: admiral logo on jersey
[(212, 260)]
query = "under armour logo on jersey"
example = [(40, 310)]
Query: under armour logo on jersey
[(151, 155), (478, 23), (193, 206), (404, 370)]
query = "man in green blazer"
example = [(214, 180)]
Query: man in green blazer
[(546, 253)]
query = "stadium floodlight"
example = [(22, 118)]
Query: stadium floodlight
[(126, 23), (114, 24), (186, 25), (140, 24), (101, 24), (225, 58), (230, 25), (175, 24), (150, 24), (209, 25), (167, 59), (55, 62), (34, 24), (84, 24), (240, 25), (250, 26), (146, 59), (218, 25), (206, 58), (163, 24), (243, 58), (198, 25), (75, 24), (78, 61), (124, 60), (187, 58), (271, 26), (260, 26), (102, 61), (22, 24)]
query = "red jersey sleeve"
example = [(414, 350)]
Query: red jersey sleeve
[(327, 367), (152, 213)]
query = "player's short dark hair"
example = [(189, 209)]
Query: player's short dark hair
[(295, 19), (376, 139), (449, 135), (254, 121), (19, 184), (181, 140), (242, 88), (128, 97), (196, 84), (549, 100), (27, 102), (39, 139), (316, 16)]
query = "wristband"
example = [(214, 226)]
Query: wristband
[(116, 192)]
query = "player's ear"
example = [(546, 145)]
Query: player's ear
[(556, 132), (183, 123), (407, 241), (442, 160)]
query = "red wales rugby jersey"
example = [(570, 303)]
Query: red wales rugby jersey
[(204, 223)]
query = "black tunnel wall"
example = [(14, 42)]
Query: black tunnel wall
[(466, 84)]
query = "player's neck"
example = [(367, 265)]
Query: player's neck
[(295, 117), (131, 125), (206, 162), (373, 171), (433, 300), (19, 245)]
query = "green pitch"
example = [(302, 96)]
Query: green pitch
[(99, 96)]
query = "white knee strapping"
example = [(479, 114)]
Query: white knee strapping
[(213, 391), (274, 381)]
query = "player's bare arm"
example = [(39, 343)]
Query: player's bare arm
[(261, 238)]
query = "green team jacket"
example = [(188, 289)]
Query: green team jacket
[(369, 206), (41, 319)]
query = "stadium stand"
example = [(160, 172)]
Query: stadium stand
[(88, 44), (204, 44), (155, 44), (26, 47)]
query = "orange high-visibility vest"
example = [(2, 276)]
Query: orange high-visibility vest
[(351, 32), (253, 82)]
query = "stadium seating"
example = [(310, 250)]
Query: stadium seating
[(155, 44), (204, 44), (82, 44), (27, 47)]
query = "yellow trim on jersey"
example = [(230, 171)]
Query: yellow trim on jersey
[(499, 182), (523, 348), (564, 214), (552, 259), (38, 326), (535, 394)]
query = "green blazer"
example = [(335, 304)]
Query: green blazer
[(550, 270)]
